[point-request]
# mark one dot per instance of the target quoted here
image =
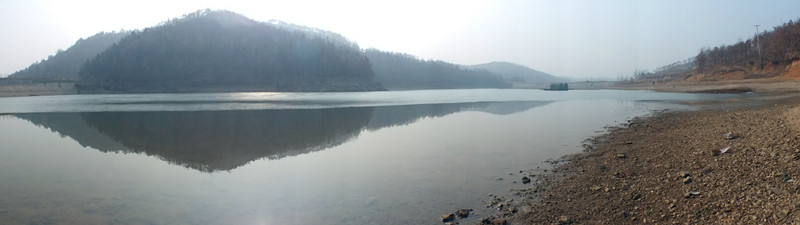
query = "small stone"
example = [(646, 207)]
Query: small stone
[(783, 213), (526, 180), (730, 136), (628, 142), (683, 174), (637, 197), (448, 217), (786, 177), (687, 180), (499, 221), (595, 188), (621, 156), (463, 213), (564, 220), (777, 191), (691, 194)]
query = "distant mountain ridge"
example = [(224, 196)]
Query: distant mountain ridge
[(516, 72), (66, 64), (402, 71)]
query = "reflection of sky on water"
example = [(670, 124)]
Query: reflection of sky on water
[(267, 100), (396, 164)]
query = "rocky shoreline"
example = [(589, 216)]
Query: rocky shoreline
[(668, 168)]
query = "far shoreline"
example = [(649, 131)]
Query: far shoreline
[(771, 86)]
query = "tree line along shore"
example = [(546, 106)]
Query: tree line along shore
[(33, 87)]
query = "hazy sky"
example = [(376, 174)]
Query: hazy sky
[(579, 39)]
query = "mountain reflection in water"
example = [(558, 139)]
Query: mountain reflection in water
[(211, 141)]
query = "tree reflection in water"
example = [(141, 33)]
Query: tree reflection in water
[(211, 141)]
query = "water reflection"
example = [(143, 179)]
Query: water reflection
[(211, 141)]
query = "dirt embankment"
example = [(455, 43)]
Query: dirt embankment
[(771, 79), (663, 169)]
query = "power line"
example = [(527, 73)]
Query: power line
[(758, 46), (778, 17)]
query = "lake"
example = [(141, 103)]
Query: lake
[(398, 157)]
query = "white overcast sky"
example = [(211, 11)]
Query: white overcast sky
[(579, 39)]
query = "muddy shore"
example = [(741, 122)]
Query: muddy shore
[(663, 169)]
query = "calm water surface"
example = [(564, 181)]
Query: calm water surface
[(403, 157)]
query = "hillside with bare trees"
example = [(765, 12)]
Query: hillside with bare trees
[(769, 54), (772, 54)]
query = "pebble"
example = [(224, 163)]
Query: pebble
[(499, 221), (463, 213), (691, 194), (448, 217), (564, 220)]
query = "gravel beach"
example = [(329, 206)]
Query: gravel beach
[(668, 168)]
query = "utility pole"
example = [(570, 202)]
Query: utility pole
[(758, 47)]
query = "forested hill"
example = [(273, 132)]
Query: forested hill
[(518, 73), (402, 71), (64, 65), (224, 51)]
